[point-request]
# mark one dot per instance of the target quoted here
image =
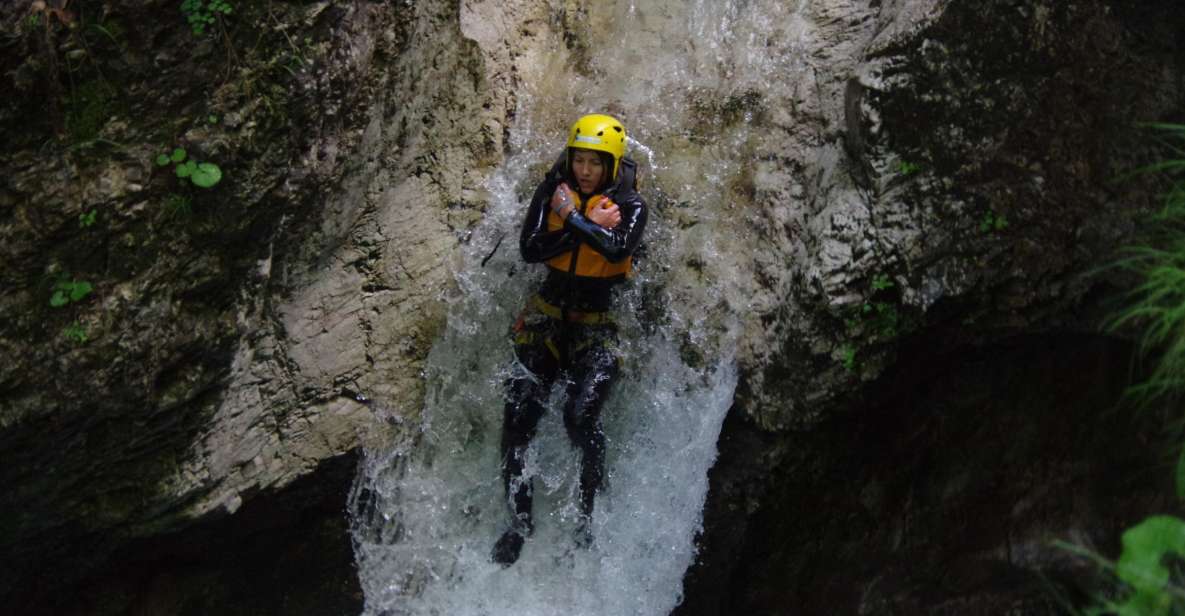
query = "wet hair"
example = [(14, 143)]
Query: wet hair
[(606, 162)]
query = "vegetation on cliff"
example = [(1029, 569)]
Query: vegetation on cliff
[(1147, 584)]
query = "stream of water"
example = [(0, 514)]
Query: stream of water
[(681, 76)]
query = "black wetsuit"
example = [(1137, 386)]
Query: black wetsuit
[(566, 329)]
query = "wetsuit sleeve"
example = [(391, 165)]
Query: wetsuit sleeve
[(619, 242), (536, 243)]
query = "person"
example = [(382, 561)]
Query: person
[(584, 222)]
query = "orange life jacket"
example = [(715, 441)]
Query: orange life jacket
[(583, 260)]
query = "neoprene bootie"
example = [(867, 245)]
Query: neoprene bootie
[(583, 535), (508, 547)]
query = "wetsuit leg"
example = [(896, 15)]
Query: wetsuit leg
[(592, 376), (526, 395)]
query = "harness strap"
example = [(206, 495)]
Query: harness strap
[(571, 316)]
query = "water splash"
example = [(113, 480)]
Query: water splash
[(426, 514)]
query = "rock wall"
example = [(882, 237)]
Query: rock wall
[(229, 330), (954, 177), (944, 492), (932, 182), (947, 238)]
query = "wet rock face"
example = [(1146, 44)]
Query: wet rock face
[(941, 259), (973, 177), (207, 362)]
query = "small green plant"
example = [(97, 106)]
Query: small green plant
[(847, 356), (1148, 586), (200, 14), (67, 291), (993, 222), (1150, 579), (76, 333), (202, 175), (1141, 566), (1156, 306), (876, 312), (883, 316), (178, 206), (176, 156), (87, 219), (882, 282), (876, 319), (908, 168)]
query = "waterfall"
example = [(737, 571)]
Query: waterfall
[(682, 76)]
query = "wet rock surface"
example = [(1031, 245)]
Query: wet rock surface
[(962, 174), (979, 181), (209, 360)]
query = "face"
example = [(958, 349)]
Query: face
[(588, 169)]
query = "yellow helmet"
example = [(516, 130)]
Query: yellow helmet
[(601, 133)]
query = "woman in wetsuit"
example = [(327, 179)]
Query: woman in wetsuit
[(584, 222)]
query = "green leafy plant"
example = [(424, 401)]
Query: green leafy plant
[(1148, 587), (201, 174), (882, 282), (1151, 582), (879, 314), (87, 219), (876, 319), (847, 356), (1142, 568), (884, 317), (200, 14), (1155, 308), (76, 333), (870, 321), (67, 291), (993, 222)]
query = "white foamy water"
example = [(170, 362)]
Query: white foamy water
[(427, 515)]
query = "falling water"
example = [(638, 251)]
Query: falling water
[(682, 76)]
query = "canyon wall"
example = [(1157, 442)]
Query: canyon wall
[(916, 190)]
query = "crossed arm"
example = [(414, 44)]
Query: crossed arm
[(613, 231)]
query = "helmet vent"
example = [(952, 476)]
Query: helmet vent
[(601, 134), (617, 128)]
